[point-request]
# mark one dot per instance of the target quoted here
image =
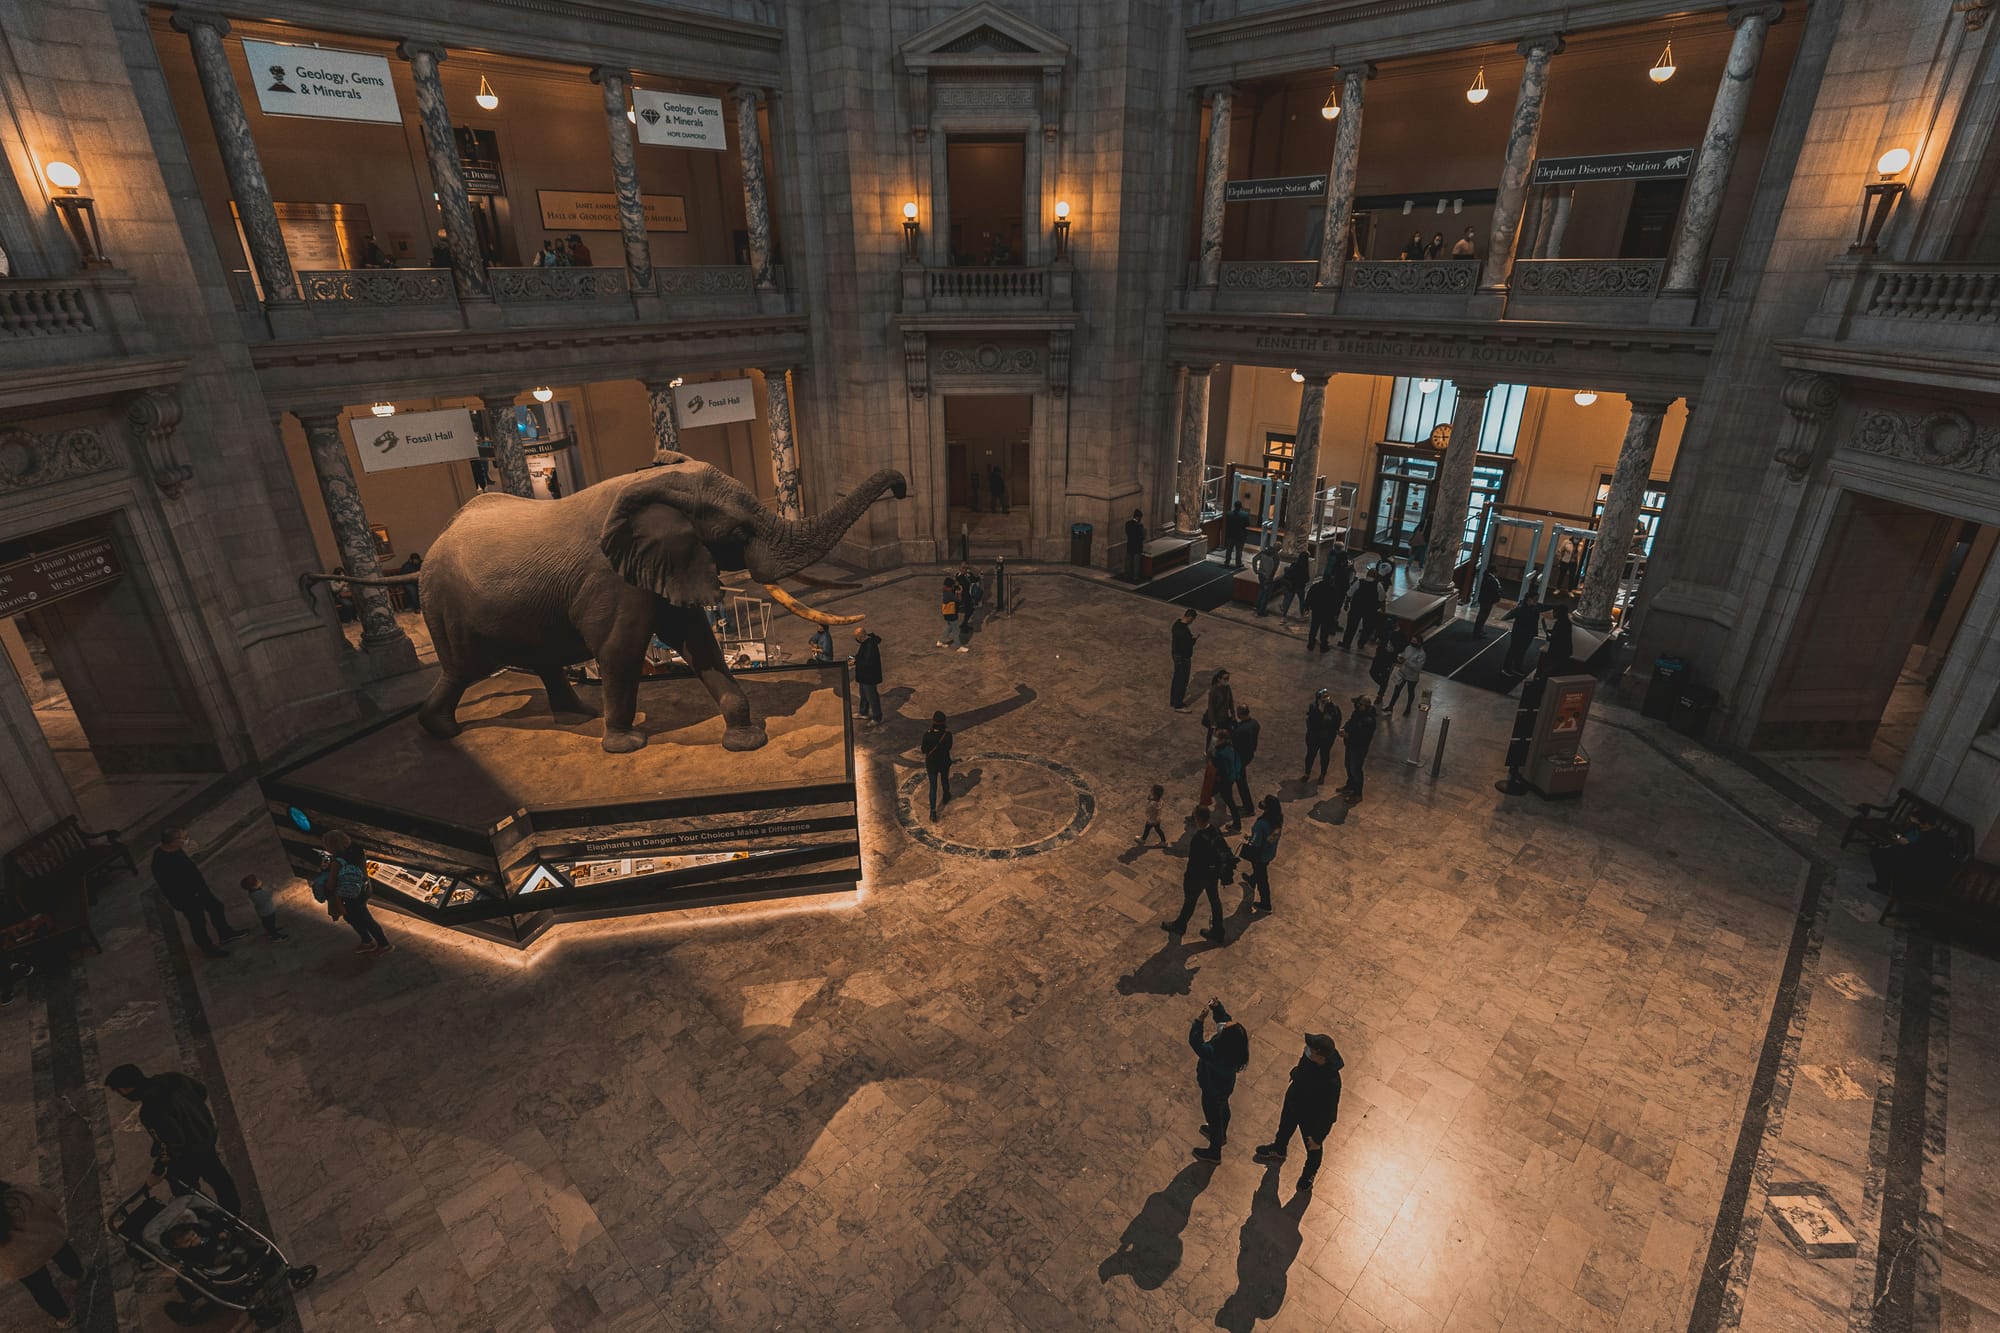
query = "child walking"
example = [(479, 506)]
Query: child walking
[(260, 902), (1153, 800), (949, 605)]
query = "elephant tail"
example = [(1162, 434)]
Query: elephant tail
[(306, 582)]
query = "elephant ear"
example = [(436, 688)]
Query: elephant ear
[(652, 542)]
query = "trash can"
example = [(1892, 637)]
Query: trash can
[(1079, 543), (1692, 708), (1670, 674)]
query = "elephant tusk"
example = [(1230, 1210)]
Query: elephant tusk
[(804, 612)]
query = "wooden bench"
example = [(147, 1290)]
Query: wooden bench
[(50, 874), (1968, 897)]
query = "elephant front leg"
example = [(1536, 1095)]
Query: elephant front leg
[(698, 648), (619, 661)]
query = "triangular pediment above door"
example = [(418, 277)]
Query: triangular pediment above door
[(983, 37)]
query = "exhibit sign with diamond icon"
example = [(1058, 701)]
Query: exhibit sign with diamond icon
[(679, 120)]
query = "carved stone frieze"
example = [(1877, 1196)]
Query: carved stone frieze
[(1941, 437), (988, 359), (29, 458)]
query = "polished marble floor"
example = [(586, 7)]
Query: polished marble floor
[(1584, 1041)]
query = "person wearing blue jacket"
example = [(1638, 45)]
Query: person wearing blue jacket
[(1218, 1060), (1261, 849)]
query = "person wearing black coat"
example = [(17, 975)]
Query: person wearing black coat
[(1490, 593), (1527, 616), (1218, 1060), (1323, 610), (1363, 612), (1360, 733), (1135, 544), (174, 1110), (1296, 579), (937, 761), (1209, 860), (1561, 648), (1322, 726), (187, 892), (868, 674), (1312, 1104), (1183, 650), (1387, 649), (1235, 532)]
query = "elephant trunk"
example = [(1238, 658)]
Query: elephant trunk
[(783, 547)]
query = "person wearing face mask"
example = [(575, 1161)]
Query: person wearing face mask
[(1312, 1104)]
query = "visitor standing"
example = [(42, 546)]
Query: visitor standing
[(1527, 615), (187, 892), (1225, 774), (1297, 578), (1154, 798), (948, 605), (1235, 531), (1363, 609), (33, 1236), (1135, 544), (1490, 593), (1414, 247), (1261, 848), (1265, 565), (261, 903), (1435, 249), (1323, 611), (937, 762), (996, 485), (1311, 1105), (1183, 651), (867, 661), (1360, 734), (1322, 728), (343, 883), (1218, 1060), (1220, 714), (822, 645), (1409, 672), (579, 253), (1210, 864), (1466, 247), (1383, 668), (1561, 650), (1564, 577), (1244, 737), (174, 1110)]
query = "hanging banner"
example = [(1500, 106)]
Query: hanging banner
[(1273, 187), (411, 439), (39, 580), (679, 120), (320, 82), (1662, 164), (716, 402), (587, 210)]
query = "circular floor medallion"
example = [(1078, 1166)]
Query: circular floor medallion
[(1007, 806)]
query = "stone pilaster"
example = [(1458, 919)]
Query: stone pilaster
[(784, 448), (666, 420), (1192, 462), (1536, 53), (625, 176), (1621, 510), (1710, 179), (240, 162), (461, 235), (379, 630), (1454, 488), (1302, 500), (508, 455), (1212, 182), (756, 198), (1559, 206), (1340, 173)]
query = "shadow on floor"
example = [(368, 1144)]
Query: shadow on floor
[(1150, 1249)]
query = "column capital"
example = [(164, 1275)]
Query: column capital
[(1547, 44), (1224, 91), (1319, 373), (187, 20), (1741, 14), (497, 397), (1472, 388), (662, 383), (749, 92), (1205, 369), (1355, 70), (606, 74), (776, 368), (317, 417), (1650, 405), (411, 49)]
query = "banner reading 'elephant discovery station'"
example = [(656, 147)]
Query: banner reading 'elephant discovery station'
[(411, 439)]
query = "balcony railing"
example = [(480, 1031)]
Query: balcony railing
[(557, 284), (1919, 309), (377, 286), (1259, 276), (45, 321), (1415, 277), (1941, 293), (980, 284), (44, 310), (1588, 279)]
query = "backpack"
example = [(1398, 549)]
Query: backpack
[(350, 880), (975, 591)]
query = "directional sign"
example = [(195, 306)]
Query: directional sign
[(39, 580), (1662, 164), (1274, 187)]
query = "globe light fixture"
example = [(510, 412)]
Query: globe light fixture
[(1478, 92), (1892, 163), (542, 393), (1331, 111), (384, 409), (910, 231), (1585, 397), (1298, 378), (1663, 68), (488, 99), (64, 176), (1062, 229), (1427, 386), (79, 213)]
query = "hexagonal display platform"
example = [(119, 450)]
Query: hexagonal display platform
[(523, 821)]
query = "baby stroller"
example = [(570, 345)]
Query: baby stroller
[(214, 1255)]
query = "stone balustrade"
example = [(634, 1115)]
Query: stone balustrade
[(1587, 279), (52, 321), (32, 309), (1269, 276), (378, 286), (1026, 284), (704, 280), (1413, 277), (1944, 293), (557, 284)]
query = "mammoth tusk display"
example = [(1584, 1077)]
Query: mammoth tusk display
[(804, 612)]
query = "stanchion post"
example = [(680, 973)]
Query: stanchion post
[(1417, 736)]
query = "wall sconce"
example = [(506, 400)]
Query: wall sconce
[(1331, 111), (1062, 229), (1478, 92), (1663, 68), (1427, 386), (676, 382), (1298, 377), (79, 213), (541, 393), (910, 231), (1585, 397), (488, 99), (1878, 200), (383, 410)]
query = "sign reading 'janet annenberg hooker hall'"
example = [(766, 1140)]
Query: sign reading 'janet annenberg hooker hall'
[(42, 579), (679, 120), (588, 210), (716, 402), (1662, 164), (322, 82), (411, 439)]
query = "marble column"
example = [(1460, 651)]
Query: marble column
[(756, 198), (1559, 206), (1710, 178), (349, 521), (1193, 458), (1453, 494), (461, 236), (1302, 498), (1535, 222), (508, 455), (1621, 510), (1212, 183), (661, 404), (1334, 242), (625, 176), (1536, 53), (784, 448), (240, 163)]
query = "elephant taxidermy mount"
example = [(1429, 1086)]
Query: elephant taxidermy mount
[(541, 585)]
